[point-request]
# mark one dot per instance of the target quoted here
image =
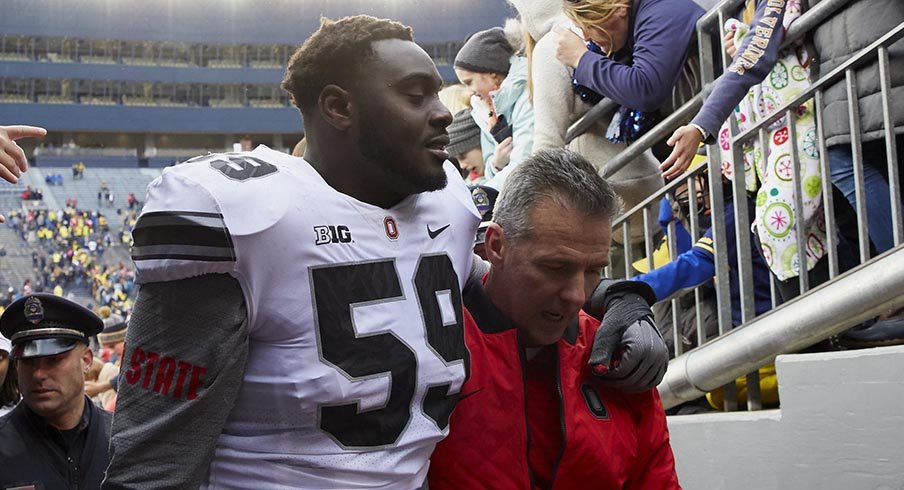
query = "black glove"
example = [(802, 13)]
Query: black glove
[(628, 352), (642, 362)]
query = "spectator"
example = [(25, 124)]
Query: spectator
[(456, 98), (768, 177), (464, 146), (530, 343), (732, 86), (697, 265), (112, 338), (131, 200), (31, 194), (853, 27), (488, 65), (557, 106), (9, 386), (634, 53), (78, 170), (55, 438)]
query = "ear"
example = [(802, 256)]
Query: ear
[(336, 107), (87, 358), (622, 12), (495, 245)]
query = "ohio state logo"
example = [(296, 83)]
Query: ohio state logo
[(390, 227)]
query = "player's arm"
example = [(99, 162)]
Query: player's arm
[(182, 370)]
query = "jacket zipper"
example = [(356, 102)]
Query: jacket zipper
[(523, 358), (555, 466)]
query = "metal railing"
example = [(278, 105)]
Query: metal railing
[(716, 360)]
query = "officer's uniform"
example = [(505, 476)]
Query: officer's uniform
[(34, 454)]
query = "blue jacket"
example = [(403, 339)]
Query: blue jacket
[(512, 101), (755, 58), (661, 31), (698, 265)]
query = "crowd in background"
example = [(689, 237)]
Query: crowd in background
[(69, 247)]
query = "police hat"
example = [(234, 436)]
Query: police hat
[(42, 324), (114, 330), (485, 200)]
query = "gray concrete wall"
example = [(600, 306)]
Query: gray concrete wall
[(840, 426)]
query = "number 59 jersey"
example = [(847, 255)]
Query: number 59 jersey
[(356, 344)]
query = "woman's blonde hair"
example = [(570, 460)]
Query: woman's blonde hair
[(455, 98), (593, 13)]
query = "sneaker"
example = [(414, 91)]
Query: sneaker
[(881, 333)]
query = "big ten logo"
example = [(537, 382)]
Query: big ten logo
[(332, 234)]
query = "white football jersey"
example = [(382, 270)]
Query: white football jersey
[(355, 322)]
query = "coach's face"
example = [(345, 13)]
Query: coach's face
[(401, 121), (540, 281)]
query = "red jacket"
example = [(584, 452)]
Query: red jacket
[(613, 440)]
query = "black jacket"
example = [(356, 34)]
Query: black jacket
[(32, 452)]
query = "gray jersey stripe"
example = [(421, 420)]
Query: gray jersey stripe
[(182, 251), (181, 220)]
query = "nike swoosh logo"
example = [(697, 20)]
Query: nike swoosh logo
[(462, 397), (435, 233)]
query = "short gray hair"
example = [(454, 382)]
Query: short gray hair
[(558, 174)]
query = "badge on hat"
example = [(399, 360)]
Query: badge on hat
[(34, 310), (481, 200)]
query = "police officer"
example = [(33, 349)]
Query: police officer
[(55, 438)]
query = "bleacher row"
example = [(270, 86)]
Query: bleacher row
[(140, 101), (121, 181), (183, 55)]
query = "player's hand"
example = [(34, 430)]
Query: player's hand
[(628, 352), (569, 46), (728, 42), (641, 361), (12, 158), (685, 141), (503, 153)]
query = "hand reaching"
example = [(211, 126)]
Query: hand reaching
[(685, 141), (12, 158)]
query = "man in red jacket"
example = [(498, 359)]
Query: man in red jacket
[(532, 414)]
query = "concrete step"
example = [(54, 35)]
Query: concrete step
[(840, 427)]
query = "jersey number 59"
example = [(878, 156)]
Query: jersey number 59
[(335, 290)]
